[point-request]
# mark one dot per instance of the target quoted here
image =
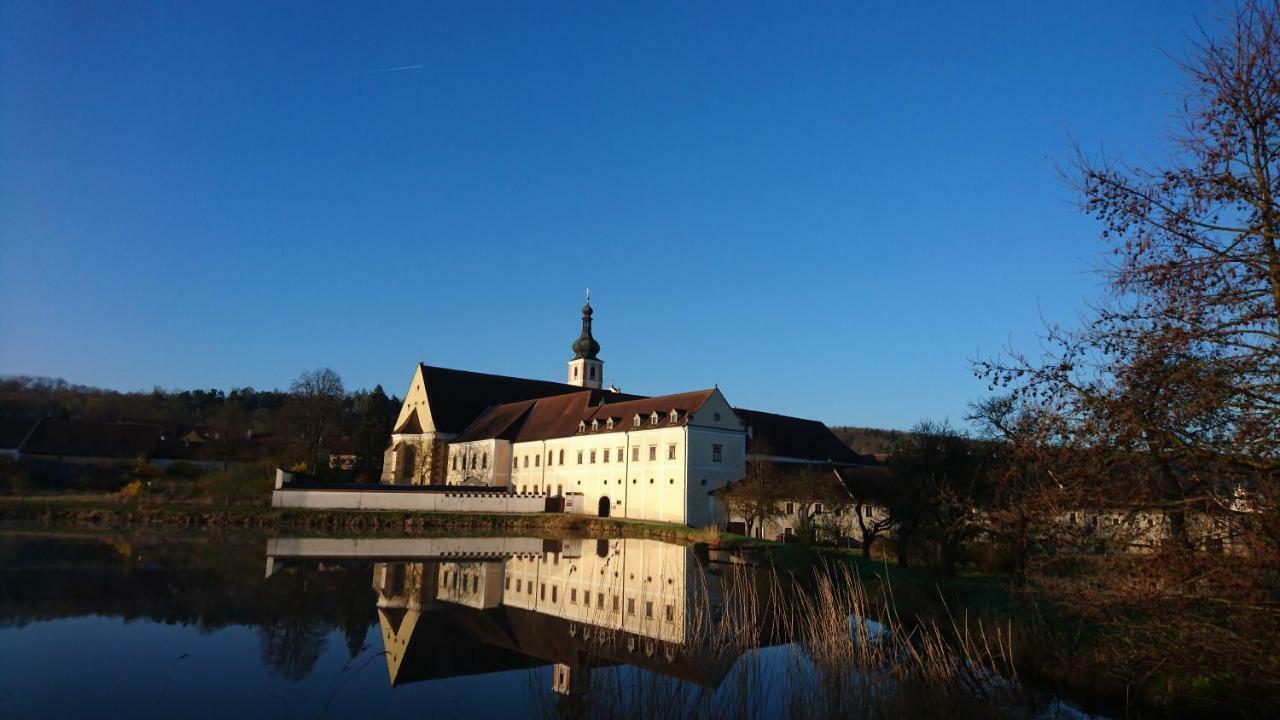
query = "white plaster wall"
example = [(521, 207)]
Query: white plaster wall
[(407, 501), (497, 454)]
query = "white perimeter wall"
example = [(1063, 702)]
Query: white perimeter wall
[(406, 501)]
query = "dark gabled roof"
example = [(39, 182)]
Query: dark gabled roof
[(458, 397), (559, 416), (13, 432), (817, 482), (87, 438), (791, 437)]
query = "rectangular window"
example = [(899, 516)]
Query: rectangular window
[(620, 455), (648, 608), (671, 614), (530, 588), (537, 460), (817, 508), (559, 489), (475, 583), (635, 454), (671, 451), (586, 598), (579, 457), (573, 596), (507, 584), (606, 454), (717, 453), (866, 511), (553, 593), (615, 603), (600, 601), (593, 457), (631, 606), (542, 592), (526, 461), (653, 452)]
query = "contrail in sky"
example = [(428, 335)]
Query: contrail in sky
[(391, 69)]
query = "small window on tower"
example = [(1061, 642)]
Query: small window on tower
[(575, 372), (593, 372)]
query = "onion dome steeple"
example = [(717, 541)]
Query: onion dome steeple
[(586, 346), (585, 369)]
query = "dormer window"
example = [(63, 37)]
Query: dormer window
[(635, 421), (582, 426), (653, 418), (595, 425), (609, 424), (675, 415)]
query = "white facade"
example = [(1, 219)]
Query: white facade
[(630, 467)]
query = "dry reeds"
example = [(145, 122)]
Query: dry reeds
[(759, 645)]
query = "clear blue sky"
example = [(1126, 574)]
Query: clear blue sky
[(828, 210)]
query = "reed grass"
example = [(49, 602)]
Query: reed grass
[(758, 644)]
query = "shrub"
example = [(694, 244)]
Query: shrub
[(183, 470), (241, 484)]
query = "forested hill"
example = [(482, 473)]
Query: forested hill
[(869, 441)]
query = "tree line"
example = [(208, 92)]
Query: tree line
[(297, 427)]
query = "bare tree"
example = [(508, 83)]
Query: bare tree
[(755, 498), (1166, 402), (315, 412)]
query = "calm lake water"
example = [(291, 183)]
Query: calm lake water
[(193, 625)]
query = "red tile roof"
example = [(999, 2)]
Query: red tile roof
[(559, 416)]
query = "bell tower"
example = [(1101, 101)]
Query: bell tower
[(585, 369)]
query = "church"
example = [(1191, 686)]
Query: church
[(600, 451)]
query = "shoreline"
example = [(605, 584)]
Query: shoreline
[(109, 513)]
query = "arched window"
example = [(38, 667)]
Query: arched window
[(484, 461), (562, 456)]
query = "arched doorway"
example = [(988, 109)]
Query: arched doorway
[(604, 506)]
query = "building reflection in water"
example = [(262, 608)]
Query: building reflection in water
[(450, 607)]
